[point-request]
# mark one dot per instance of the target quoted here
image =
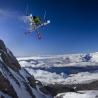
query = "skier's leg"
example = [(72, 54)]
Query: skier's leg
[(39, 35)]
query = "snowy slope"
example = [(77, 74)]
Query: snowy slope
[(82, 94), (16, 82)]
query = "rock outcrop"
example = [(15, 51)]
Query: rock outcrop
[(16, 82)]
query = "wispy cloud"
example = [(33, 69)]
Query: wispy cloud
[(13, 17), (5, 14)]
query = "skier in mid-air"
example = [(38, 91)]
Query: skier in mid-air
[(35, 22)]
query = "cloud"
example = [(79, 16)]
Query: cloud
[(10, 14), (6, 14), (3, 13), (13, 17)]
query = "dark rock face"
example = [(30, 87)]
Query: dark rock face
[(88, 86), (2, 46), (61, 88), (6, 87), (8, 57), (86, 58), (16, 82)]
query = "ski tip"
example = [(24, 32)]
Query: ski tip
[(48, 21)]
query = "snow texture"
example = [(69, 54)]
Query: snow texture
[(82, 94)]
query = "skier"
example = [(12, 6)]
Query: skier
[(34, 23), (34, 20), (37, 20)]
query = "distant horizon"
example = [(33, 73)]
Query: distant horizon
[(37, 55)]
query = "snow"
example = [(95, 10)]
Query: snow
[(19, 87), (20, 90), (40, 94), (5, 95), (82, 94)]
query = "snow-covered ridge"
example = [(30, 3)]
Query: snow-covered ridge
[(82, 94), (16, 82)]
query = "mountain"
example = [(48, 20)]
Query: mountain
[(16, 82), (81, 94)]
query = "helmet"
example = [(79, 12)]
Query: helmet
[(34, 17)]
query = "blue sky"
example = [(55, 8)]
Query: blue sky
[(73, 28)]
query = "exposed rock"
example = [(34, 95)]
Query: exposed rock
[(6, 87), (31, 81), (16, 82), (8, 58), (41, 88), (54, 89), (2, 46), (87, 86)]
